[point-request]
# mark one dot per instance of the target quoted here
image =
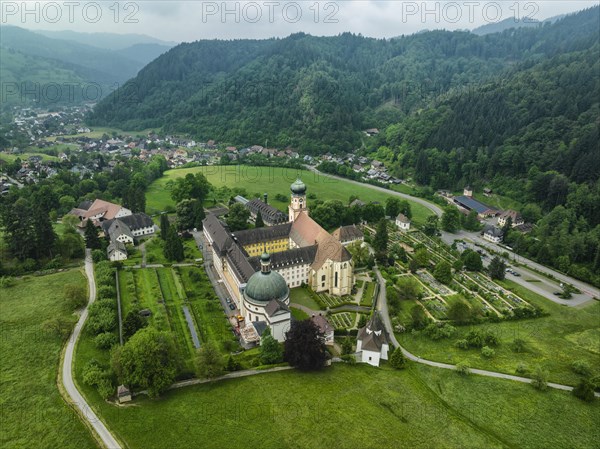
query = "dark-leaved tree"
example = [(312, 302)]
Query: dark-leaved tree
[(304, 346)]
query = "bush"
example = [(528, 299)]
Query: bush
[(522, 369), (103, 317), (105, 340), (95, 376), (463, 369), (438, 331), (462, 344), (519, 345), (475, 339), (76, 296), (491, 339), (539, 379), (349, 358), (98, 255), (581, 367), (584, 390), (106, 292), (487, 352)]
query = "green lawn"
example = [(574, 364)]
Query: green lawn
[(273, 180), (367, 297), (302, 296), (357, 406), (25, 156), (206, 308), (554, 341), (497, 201), (298, 314), (32, 413)]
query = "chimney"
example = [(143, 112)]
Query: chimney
[(265, 198)]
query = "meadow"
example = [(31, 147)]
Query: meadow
[(32, 412), (357, 406), (554, 341), (271, 180)]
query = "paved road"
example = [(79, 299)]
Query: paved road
[(67, 371), (383, 309)]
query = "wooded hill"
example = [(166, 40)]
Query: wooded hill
[(318, 93)]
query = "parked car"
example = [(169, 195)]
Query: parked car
[(228, 300), (232, 307)]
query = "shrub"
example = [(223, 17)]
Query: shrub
[(105, 340), (462, 344), (519, 345), (463, 369), (584, 390), (539, 379), (522, 369), (487, 352), (98, 255), (581, 367), (76, 296), (475, 339), (95, 376), (491, 339), (438, 331), (106, 292), (349, 358)]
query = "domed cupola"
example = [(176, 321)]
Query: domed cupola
[(266, 285), (298, 187)]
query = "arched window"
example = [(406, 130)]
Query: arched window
[(323, 278)]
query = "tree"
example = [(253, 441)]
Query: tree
[(173, 247), (165, 224), (237, 218), (451, 219), (459, 311), (259, 223), (392, 207), (304, 346), (190, 214), (270, 349), (431, 226), (210, 361), (470, 221), (418, 317), (497, 268), (190, 187), (443, 272), (422, 257), (70, 221), (472, 260), (347, 346), (413, 265), (380, 242), (397, 359), (148, 360), (92, 240), (409, 288), (132, 323)]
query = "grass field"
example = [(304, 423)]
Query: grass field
[(273, 180), (302, 297), (25, 156), (358, 406), (553, 341), (32, 413)]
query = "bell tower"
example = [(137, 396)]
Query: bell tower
[(298, 200)]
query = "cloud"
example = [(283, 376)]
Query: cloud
[(193, 20)]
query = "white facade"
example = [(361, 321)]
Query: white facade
[(295, 275), (143, 231), (123, 212), (403, 225), (117, 255), (492, 238), (124, 238), (297, 205)]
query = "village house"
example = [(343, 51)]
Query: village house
[(324, 328), (493, 234), (348, 234), (515, 217), (403, 222), (116, 251)]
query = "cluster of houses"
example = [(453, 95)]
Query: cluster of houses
[(117, 223), (492, 232)]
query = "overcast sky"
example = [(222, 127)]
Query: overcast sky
[(192, 20)]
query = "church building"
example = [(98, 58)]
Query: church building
[(299, 251)]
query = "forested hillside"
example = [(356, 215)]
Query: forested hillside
[(317, 93)]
